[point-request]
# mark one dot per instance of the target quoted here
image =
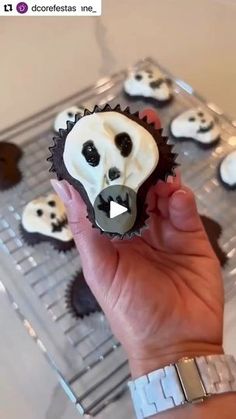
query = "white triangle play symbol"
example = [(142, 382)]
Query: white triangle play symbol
[(116, 209)]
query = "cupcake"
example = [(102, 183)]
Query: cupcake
[(227, 171), (149, 85), (112, 157), (10, 174), (67, 115), (79, 299), (197, 125), (44, 220)]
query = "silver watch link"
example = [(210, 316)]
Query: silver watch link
[(190, 380)]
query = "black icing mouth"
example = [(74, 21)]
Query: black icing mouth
[(156, 84), (105, 203), (206, 129), (58, 226)]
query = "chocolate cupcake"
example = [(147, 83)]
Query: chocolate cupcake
[(44, 220), (112, 157), (149, 85), (196, 125), (10, 174), (214, 231), (227, 171), (79, 299), (67, 115)]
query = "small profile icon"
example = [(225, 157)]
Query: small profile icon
[(8, 8), (22, 7)]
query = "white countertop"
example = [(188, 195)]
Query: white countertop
[(46, 59)]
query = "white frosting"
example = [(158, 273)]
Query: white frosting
[(66, 115), (228, 169), (101, 128), (138, 84), (35, 223), (188, 124)]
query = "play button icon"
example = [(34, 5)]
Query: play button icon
[(115, 209)]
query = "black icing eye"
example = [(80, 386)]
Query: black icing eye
[(138, 77), (52, 215), (90, 153), (192, 119), (52, 203), (124, 143), (39, 212), (200, 114), (70, 114)]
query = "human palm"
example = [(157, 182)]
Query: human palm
[(161, 292)]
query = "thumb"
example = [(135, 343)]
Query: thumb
[(183, 211), (96, 251)]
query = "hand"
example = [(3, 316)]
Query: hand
[(162, 292)]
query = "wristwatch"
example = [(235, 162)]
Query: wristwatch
[(190, 380)]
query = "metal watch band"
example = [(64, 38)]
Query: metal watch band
[(190, 380)]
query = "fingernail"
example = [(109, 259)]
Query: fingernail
[(62, 190), (176, 199), (179, 192)]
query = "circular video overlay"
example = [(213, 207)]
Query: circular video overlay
[(115, 209)]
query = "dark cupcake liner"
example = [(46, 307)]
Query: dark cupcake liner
[(223, 183), (32, 239), (198, 143), (79, 299), (165, 167), (149, 100), (214, 231), (14, 176)]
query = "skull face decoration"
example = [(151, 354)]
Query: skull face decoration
[(197, 125), (228, 170), (67, 115), (44, 219), (148, 84), (110, 150)]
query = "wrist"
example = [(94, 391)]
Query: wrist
[(152, 360)]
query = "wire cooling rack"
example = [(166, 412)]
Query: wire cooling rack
[(90, 363)]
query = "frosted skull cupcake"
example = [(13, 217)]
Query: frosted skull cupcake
[(112, 157), (67, 115), (197, 125), (44, 220), (149, 85), (227, 170)]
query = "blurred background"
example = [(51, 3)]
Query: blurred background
[(46, 59)]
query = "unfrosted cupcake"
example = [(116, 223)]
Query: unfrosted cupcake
[(79, 299)]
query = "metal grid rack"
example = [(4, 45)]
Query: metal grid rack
[(89, 361)]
